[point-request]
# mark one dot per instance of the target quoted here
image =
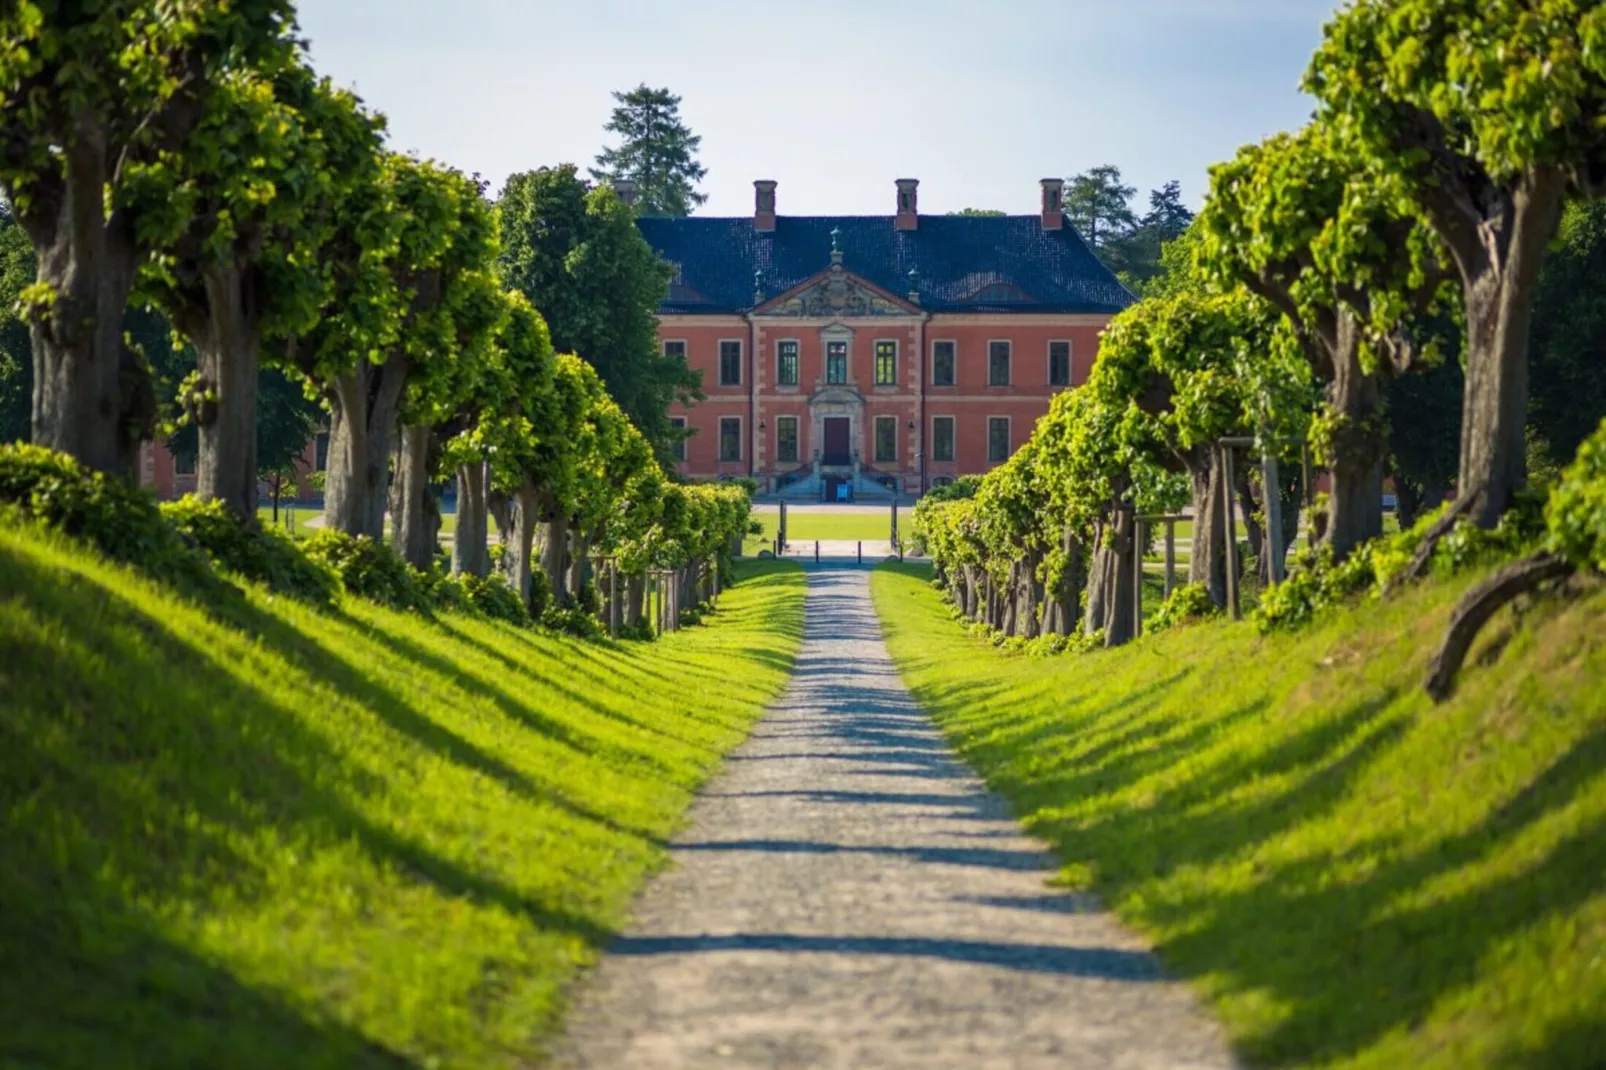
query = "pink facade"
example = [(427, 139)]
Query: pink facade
[(891, 353)]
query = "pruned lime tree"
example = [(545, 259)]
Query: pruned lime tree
[(1486, 116), (1329, 238), (101, 105)]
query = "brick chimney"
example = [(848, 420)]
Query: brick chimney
[(764, 204), (1053, 203), (908, 217), (626, 189)]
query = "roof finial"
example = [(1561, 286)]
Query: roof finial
[(914, 285), (836, 239), (758, 287)]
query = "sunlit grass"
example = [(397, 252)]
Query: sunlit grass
[(253, 835), (1354, 877)]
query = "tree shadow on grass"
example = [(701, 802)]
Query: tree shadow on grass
[(1344, 957), (152, 778)]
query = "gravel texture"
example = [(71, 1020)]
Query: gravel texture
[(848, 895)]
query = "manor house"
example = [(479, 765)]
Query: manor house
[(877, 353)]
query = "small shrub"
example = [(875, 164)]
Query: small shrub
[(117, 518), (369, 569), (444, 592), (493, 597), (261, 555), (572, 621), (1575, 516), (1186, 603)]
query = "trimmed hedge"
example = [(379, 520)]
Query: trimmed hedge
[(262, 555)]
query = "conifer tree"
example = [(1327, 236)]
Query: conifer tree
[(657, 152)]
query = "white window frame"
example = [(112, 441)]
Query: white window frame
[(685, 347), (1009, 438), (798, 342), (875, 439), (1010, 342), (875, 358), (741, 361), (719, 447), (797, 427), (826, 342), (1070, 361), (935, 342), (953, 439)]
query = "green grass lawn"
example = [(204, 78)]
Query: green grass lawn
[(807, 527), (253, 835), (1354, 877)]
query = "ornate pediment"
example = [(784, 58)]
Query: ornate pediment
[(836, 293)]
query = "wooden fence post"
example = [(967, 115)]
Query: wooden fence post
[(613, 598), (1271, 489), (1170, 555), (1138, 532)]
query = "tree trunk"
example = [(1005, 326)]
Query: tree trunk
[(227, 336), (364, 404), (1098, 581), (470, 550), (1252, 511), (554, 555), (91, 398), (635, 598), (1009, 602), (1408, 501), (1207, 561), (1124, 563), (1498, 292), (1358, 447), (1026, 610), (517, 561), (1481, 603), (411, 533), (579, 566)]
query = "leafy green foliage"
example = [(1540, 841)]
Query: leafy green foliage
[(1189, 602), (1575, 515), (657, 151), (261, 555), (494, 599), (368, 569), (578, 257), (119, 520), (1568, 376)]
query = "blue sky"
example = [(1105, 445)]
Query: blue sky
[(835, 98)]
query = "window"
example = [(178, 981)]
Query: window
[(320, 452), (679, 424), (183, 464), (730, 438), (786, 438), (997, 363), (1059, 364), (942, 364), (836, 363), (942, 438), (786, 363), (730, 363), (997, 439), (886, 363), (886, 438), (675, 349)]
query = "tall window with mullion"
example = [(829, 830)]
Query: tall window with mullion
[(997, 363), (679, 424), (786, 438), (786, 363), (836, 363), (997, 439), (942, 363), (1059, 364), (886, 363), (886, 439), (730, 363), (730, 438)]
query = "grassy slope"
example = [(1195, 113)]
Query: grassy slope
[(352, 840), (1355, 877)]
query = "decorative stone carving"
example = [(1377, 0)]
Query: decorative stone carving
[(838, 294)]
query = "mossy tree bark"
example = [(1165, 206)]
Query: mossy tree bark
[(470, 550)]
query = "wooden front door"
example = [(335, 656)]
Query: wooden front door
[(836, 450)]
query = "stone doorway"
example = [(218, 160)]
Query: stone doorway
[(837, 447)]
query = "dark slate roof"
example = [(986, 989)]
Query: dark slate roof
[(966, 263)]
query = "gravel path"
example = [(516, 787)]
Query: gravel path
[(849, 896)]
